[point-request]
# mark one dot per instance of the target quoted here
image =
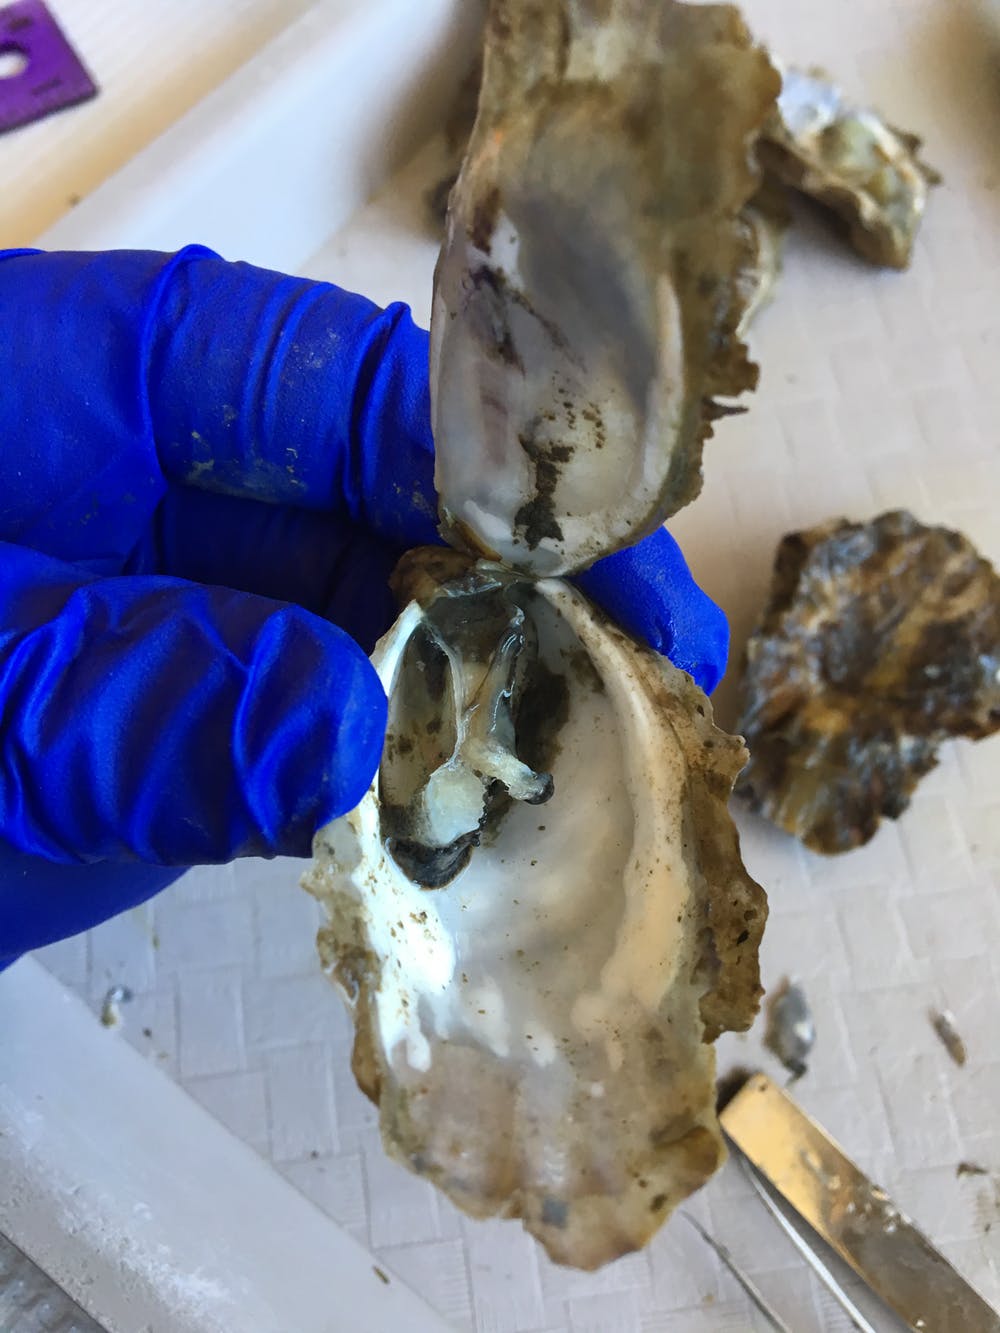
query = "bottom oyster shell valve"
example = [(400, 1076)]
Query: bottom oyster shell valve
[(535, 1029)]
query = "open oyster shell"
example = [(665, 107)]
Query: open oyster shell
[(538, 913), (588, 294), (849, 159), (879, 641), (535, 1031)]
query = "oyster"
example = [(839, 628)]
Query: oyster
[(849, 159), (538, 912), (880, 640), (536, 1032)]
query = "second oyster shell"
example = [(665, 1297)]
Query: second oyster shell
[(880, 640)]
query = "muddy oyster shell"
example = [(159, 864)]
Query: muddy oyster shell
[(588, 294), (847, 158), (538, 913), (879, 641), (533, 1012)]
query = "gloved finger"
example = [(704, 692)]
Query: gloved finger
[(258, 385), (334, 569), (41, 901), (126, 369), (153, 720), (648, 589), (342, 572)]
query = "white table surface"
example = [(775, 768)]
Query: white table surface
[(152, 60), (879, 390)]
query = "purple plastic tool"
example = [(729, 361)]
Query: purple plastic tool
[(54, 76)]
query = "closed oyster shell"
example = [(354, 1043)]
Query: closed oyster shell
[(535, 1032), (880, 640), (589, 291)]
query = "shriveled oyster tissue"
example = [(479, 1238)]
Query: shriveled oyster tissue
[(538, 913), (880, 641)]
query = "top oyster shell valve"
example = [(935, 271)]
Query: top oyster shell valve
[(538, 913)]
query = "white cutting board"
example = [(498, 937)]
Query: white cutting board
[(879, 390)]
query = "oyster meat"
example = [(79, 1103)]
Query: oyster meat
[(538, 912), (880, 640), (847, 158)]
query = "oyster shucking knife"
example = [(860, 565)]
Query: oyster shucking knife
[(804, 1166)]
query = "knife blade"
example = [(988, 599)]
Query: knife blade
[(854, 1216)]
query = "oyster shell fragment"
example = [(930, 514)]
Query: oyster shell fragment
[(847, 158), (536, 1030), (879, 641), (588, 295), (766, 218)]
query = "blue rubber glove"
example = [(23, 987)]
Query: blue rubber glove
[(207, 472)]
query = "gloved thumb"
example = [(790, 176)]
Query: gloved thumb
[(154, 720)]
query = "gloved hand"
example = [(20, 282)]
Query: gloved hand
[(207, 472)]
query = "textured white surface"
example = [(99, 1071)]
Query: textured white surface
[(145, 1209), (31, 1303), (878, 390)]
